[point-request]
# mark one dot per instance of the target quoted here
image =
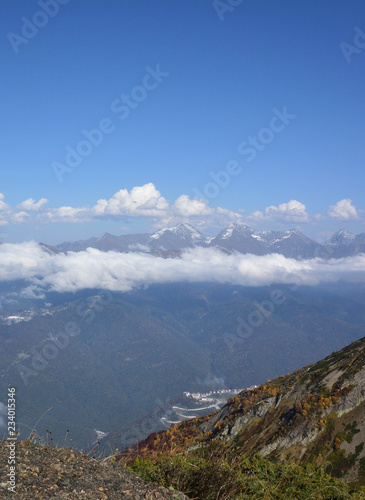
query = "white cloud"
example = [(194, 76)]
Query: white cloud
[(217, 218), (343, 210), (138, 247), (3, 206), (5, 211), (21, 260), (65, 214), (200, 214), (32, 292), (293, 211), (31, 206), (20, 214), (146, 201), (141, 201), (225, 216), (186, 207), (20, 217), (126, 271)]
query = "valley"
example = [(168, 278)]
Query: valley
[(105, 360)]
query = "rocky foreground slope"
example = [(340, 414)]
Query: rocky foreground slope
[(43, 472), (299, 436), (314, 416)]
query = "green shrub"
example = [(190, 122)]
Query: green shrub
[(217, 479)]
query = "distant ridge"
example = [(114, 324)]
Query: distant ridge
[(237, 237), (344, 244)]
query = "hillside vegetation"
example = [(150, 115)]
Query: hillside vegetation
[(295, 436)]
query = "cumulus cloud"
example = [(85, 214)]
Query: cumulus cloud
[(146, 201), (65, 214), (3, 206), (141, 201), (5, 211), (293, 211), (126, 271), (343, 210), (31, 206), (197, 212), (32, 292), (225, 216), (20, 217), (20, 214), (187, 207)]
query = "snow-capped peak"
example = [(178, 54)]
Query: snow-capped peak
[(184, 231), (187, 230), (345, 234), (235, 226), (342, 237)]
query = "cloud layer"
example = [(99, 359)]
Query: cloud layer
[(147, 202), (126, 271)]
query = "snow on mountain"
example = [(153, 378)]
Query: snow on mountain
[(344, 244), (235, 227), (166, 239), (177, 238), (237, 237), (257, 237), (183, 231), (291, 243), (342, 237)]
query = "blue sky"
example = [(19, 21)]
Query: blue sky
[(262, 91)]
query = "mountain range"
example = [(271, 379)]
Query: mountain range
[(237, 237)]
